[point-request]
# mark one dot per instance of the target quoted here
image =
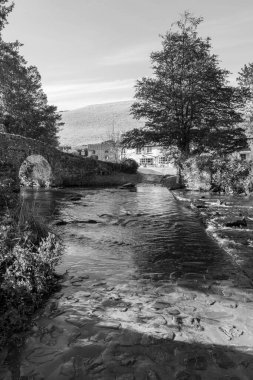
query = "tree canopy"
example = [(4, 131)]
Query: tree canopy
[(187, 104), (24, 109), (5, 9), (245, 81)]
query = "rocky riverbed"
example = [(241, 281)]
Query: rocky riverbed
[(145, 294)]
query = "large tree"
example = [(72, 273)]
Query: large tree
[(187, 104), (24, 109)]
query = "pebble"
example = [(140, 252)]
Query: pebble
[(169, 335), (84, 276), (231, 332), (115, 297), (158, 321), (128, 361), (76, 283), (109, 325), (99, 283), (174, 312), (76, 322), (86, 294), (161, 305), (77, 279)]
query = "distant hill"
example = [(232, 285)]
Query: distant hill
[(95, 123)]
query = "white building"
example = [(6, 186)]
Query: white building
[(149, 156)]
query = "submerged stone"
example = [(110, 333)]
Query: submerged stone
[(109, 325)]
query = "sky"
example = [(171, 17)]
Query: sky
[(93, 51)]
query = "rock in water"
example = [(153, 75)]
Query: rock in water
[(237, 223), (128, 185)]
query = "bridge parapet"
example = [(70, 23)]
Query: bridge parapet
[(67, 169)]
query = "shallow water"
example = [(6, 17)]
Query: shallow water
[(117, 232), (140, 265)]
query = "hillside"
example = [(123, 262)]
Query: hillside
[(95, 123)]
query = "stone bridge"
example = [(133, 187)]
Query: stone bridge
[(20, 156)]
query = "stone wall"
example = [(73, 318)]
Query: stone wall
[(67, 169)]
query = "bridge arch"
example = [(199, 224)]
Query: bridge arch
[(35, 170), (60, 169)]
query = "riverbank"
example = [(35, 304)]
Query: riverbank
[(147, 295), (29, 253), (228, 219)]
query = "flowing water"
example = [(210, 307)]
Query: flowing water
[(118, 232), (138, 265)]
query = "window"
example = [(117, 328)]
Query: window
[(146, 161), (243, 156), (138, 150), (149, 149), (162, 160)]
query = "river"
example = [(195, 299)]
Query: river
[(146, 293)]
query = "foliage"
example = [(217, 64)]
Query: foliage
[(129, 165), (23, 104), (28, 256), (5, 9), (232, 175), (196, 173), (227, 174), (187, 105), (245, 78), (245, 81)]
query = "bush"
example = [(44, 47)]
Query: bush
[(129, 165), (227, 174), (196, 175), (233, 175), (28, 257)]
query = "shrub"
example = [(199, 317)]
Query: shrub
[(233, 175), (196, 175), (227, 174), (29, 253), (129, 165)]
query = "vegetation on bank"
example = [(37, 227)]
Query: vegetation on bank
[(29, 253), (127, 165), (191, 110), (227, 174)]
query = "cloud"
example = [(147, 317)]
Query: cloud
[(65, 90), (129, 55), (75, 95)]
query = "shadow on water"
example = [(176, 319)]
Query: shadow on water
[(94, 351)]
